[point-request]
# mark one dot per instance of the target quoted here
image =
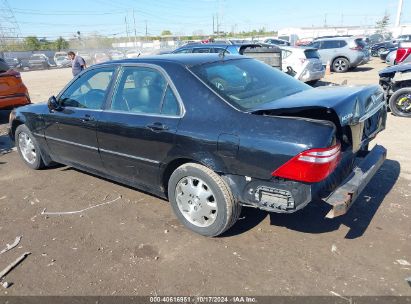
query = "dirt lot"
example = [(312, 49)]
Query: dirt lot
[(135, 246)]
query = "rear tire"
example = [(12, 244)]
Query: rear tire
[(380, 50), (340, 65), (400, 102), (28, 148), (202, 200)]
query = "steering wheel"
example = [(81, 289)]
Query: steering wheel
[(94, 98)]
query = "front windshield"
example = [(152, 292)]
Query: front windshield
[(248, 83)]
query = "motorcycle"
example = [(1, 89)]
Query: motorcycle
[(396, 83)]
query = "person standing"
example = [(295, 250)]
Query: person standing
[(78, 64)]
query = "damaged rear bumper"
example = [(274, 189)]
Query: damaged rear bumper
[(348, 191)]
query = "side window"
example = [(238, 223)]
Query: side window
[(315, 45), (201, 50), (170, 104), (140, 90), (285, 54), (220, 50), (342, 43), (89, 90), (182, 51), (333, 44)]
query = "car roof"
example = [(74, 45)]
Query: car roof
[(182, 59), (210, 45), (337, 38)]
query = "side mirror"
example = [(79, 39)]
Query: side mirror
[(53, 104)]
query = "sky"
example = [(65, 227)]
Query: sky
[(50, 18)]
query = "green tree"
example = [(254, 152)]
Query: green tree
[(32, 43), (61, 44), (381, 25), (166, 33)]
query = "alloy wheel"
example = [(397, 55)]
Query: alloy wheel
[(27, 148), (196, 201)]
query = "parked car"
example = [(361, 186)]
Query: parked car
[(403, 54), (38, 61), (133, 53), (305, 62), (101, 57), (278, 42), (264, 140), (87, 57), (402, 38), (61, 60), (396, 82), (342, 53), (116, 55), (383, 55), (378, 48), (390, 59), (14, 63), (267, 53), (13, 92), (59, 55)]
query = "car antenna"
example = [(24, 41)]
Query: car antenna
[(222, 54)]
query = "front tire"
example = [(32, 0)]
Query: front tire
[(340, 65), (400, 102), (28, 148), (202, 200)]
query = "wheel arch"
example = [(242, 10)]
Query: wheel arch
[(14, 125), (172, 165)]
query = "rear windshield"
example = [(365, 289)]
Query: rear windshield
[(247, 83), (360, 42), (312, 54)]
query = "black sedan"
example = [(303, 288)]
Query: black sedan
[(211, 133), (381, 47)]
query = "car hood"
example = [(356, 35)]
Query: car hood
[(350, 104)]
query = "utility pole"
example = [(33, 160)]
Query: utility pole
[(146, 29), (135, 31), (325, 20), (399, 12), (218, 26), (213, 25), (125, 21)]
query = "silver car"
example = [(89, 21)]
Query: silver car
[(342, 53), (305, 63)]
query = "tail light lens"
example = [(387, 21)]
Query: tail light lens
[(357, 48), (312, 165), (402, 54)]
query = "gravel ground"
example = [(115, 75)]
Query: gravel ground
[(135, 246)]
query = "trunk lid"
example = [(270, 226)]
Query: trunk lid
[(362, 110)]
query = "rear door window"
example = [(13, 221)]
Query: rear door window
[(144, 90), (201, 50), (182, 51), (332, 44)]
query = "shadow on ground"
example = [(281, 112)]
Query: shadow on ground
[(312, 219), (362, 69)]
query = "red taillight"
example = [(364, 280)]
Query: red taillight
[(402, 54), (311, 166), (357, 48)]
